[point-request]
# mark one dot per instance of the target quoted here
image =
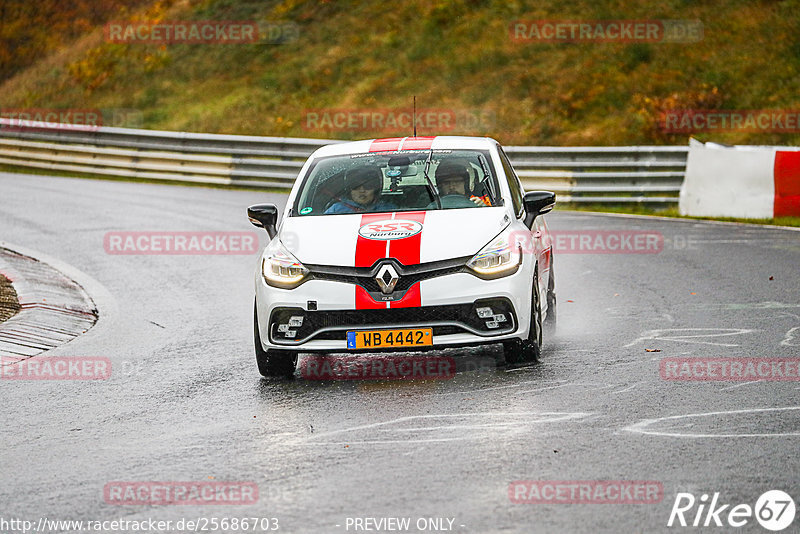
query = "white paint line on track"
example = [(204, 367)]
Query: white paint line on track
[(577, 384), (639, 428), (526, 368), (495, 388), (515, 421), (736, 306), (656, 335), (791, 335), (544, 388), (451, 427), (388, 441)]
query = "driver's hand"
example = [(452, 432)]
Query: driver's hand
[(478, 201)]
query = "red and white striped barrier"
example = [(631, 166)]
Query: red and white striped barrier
[(754, 182)]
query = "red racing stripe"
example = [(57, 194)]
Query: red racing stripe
[(365, 302), (412, 298), (787, 184), (406, 251), (368, 251), (417, 143), (385, 145), (401, 143)]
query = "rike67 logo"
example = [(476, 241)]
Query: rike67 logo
[(774, 510)]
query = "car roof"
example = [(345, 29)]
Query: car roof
[(392, 144)]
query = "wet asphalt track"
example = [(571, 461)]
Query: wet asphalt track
[(185, 401)]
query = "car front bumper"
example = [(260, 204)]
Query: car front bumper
[(323, 311)]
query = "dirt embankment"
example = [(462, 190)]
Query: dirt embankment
[(9, 305)]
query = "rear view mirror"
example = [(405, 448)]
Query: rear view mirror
[(400, 166), (264, 216), (399, 161), (538, 203)]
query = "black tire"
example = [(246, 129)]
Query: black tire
[(272, 362), (551, 319), (528, 350)]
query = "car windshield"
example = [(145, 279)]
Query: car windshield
[(373, 183)]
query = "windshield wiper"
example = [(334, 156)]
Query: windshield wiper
[(431, 188)]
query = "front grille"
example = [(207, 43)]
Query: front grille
[(406, 280), (409, 274), (450, 319)]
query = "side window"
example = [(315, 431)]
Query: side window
[(513, 182)]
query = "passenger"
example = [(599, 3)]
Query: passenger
[(452, 181), (364, 185)]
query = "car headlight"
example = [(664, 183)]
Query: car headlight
[(280, 268), (497, 259)]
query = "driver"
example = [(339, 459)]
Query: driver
[(365, 185), (452, 181)]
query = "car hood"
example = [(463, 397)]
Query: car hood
[(358, 240)]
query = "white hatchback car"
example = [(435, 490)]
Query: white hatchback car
[(404, 244)]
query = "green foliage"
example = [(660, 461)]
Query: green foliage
[(452, 54), (29, 30)]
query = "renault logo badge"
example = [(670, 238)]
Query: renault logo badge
[(387, 278)]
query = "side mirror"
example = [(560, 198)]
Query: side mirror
[(538, 203), (264, 216)]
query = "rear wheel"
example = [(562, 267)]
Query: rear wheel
[(272, 362), (550, 320), (527, 350)]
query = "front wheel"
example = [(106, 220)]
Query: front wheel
[(272, 362), (528, 349)]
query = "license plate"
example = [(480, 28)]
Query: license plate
[(381, 339)]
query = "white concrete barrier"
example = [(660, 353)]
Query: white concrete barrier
[(753, 182)]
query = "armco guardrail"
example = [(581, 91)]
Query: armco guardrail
[(650, 174)]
